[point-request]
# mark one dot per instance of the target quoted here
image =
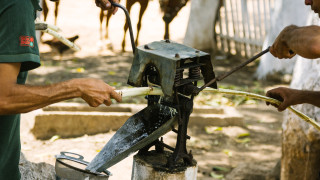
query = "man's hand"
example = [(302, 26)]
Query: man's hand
[(106, 5), (287, 96), (304, 41), (280, 47), (96, 92), (17, 98)]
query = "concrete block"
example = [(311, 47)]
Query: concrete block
[(74, 119), (71, 124), (230, 117)]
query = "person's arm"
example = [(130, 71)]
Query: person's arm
[(106, 5), (304, 41), (16, 98), (291, 97)]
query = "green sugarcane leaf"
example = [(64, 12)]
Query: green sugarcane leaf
[(217, 176), (243, 135)]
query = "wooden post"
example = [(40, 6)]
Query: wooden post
[(152, 166)]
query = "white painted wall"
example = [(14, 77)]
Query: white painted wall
[(199, 33)]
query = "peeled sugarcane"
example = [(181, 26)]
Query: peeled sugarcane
[(157, 91), (141, 91), (53, 30)]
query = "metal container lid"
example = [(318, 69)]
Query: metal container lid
[(73, 168)]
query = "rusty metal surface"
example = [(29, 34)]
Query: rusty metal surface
[(167, 56)]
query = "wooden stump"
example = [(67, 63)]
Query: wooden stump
[(152, 166), (301, 141), (300, 151)]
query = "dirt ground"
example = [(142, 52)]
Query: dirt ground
[(217, 150)]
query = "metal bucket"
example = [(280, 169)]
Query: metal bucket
[(73, 168)]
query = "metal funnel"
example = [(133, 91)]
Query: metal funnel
[(138, 131)]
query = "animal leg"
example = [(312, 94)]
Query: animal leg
[(126, 26), (45, 10), (101, 20), (56, 12), (143, 7), (109, 14)]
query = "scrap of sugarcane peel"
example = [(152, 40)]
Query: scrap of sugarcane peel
[(62, 39), (50, 26), (157, 91), (53, 30)]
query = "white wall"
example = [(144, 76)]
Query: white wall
[(199, 33)]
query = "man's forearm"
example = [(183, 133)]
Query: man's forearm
[(24, 98), (305, 41), (310, 97)]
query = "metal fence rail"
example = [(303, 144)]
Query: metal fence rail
[(242, 25)]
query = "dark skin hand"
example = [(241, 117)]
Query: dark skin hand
[(304, 41), (106, 5), (290, 97)]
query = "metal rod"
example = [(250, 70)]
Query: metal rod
[(176, 131), (165, 145), (219, 78), (129, 23)]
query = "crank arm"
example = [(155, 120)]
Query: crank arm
[(221, 77), (128, 21)]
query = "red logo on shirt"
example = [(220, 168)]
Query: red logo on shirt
[(27, 41)]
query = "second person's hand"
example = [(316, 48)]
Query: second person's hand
[(106, 5), (281, 47), (287, 96)]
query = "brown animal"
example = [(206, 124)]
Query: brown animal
[(45, 10), (170, 8), (129, 4), (58, 45)]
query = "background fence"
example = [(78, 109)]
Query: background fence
[(242, 25)]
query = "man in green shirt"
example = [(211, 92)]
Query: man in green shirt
[(18, 54)]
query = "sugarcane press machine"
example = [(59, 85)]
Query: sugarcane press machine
[(176, 69)]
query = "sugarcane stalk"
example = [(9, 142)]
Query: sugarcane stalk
[(141, 91), (267, 99), (157, 91)]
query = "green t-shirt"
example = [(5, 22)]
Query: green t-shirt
[(10, 142), (17, 44)]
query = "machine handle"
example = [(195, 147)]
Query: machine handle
[(79, 158), (219, 78), (128, 21)]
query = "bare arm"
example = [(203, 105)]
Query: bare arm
[(304, 41), (290, 97), (15, 98)]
